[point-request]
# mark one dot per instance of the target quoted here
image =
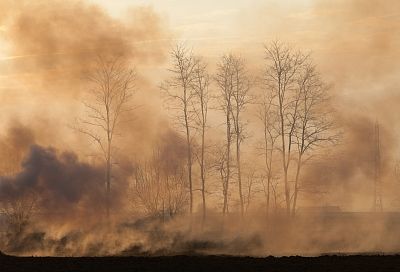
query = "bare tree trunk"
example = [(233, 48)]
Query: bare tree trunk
[(268, 195), (202, 170), (285, 163), (275, 198), (201, 84), (296, 184), (189, 157), (269, 118), (268, 164), (239, 171), (285, 159), (228, 159), (108, 187), (108, 165)]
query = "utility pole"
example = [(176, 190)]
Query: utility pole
[(377, 177)]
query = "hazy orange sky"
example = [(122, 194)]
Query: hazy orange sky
[(321, 26), (218, 25), (210, 20), (354, 44)]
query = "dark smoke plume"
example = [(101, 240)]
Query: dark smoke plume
[(60, 181)]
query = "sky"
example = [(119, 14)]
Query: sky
[(195, 19), (352, 42), (209, 24)]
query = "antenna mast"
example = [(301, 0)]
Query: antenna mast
[(377, 176)]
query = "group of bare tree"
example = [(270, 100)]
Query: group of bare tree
[(187, 94), (294, 114), (291, 99), (292, 108), (234, 84)]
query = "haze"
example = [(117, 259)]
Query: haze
[(53, 58)]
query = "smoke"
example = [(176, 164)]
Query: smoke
[(63, 183), (345, 173), (360, 42), (60, 181), (54, 43), (52, 46), (312, 235), (68, 196), (354, 45)]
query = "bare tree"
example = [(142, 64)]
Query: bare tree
[(280, 77), (219, 165), (314, 128), (251, 181), (225, 82), (19, 211), (159, 186), (112, 86), (270, 191), (268, 116), (147, 191), (300, 98), (179, 90), (201, 85), (241, 98), (176, 192)]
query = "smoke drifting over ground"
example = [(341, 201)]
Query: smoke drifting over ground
[(52, 48)]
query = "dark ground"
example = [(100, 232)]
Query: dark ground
[(201, 263)]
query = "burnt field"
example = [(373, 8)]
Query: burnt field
[(309, 234), (202, 263)]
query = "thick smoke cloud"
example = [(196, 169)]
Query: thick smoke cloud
[(53, 46), (54, 43), (60, 181)]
